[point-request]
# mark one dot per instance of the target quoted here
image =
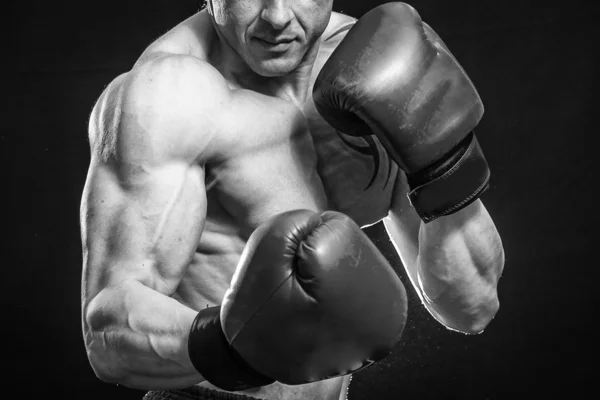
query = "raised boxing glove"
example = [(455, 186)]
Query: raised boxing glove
[(393, 77)]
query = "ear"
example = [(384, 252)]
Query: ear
[(202, 4)]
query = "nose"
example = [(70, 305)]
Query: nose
[(277, 13)]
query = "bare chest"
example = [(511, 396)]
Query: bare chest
[(266, 163), (277, 157)]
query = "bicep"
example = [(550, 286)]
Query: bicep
[(144, 202), (141, 225)]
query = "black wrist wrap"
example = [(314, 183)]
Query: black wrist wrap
[(215, 359), (451, 183)]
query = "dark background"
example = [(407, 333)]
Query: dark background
[(533, 65)]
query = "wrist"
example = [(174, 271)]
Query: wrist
[(450, 184), (215, 359)]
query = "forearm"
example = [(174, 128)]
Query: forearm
[(137, 337), (454, 263), (459, 263)]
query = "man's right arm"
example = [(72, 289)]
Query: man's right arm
[(142, 215)]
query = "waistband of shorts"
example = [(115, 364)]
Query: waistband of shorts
[(195, 393)]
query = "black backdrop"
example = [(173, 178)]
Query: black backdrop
[(533, 65)]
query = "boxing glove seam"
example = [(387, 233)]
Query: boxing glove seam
[(432, 173), (262, 306)]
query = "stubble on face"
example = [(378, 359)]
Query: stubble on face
[(262, 46)]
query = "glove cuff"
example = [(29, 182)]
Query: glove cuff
[(216, 360), (452, 183)]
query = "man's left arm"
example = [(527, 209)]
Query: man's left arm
[(454, 262), (392, 76)]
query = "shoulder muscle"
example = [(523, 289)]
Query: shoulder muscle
[(339, 25), (162, 110)]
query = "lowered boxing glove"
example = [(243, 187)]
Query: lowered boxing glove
[(312, 298), (393, 77)]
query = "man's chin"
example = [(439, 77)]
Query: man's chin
[(274, 67)]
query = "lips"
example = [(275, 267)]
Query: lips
[(277, 40), (277, 45)]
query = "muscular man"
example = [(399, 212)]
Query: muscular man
[(249, 143)]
